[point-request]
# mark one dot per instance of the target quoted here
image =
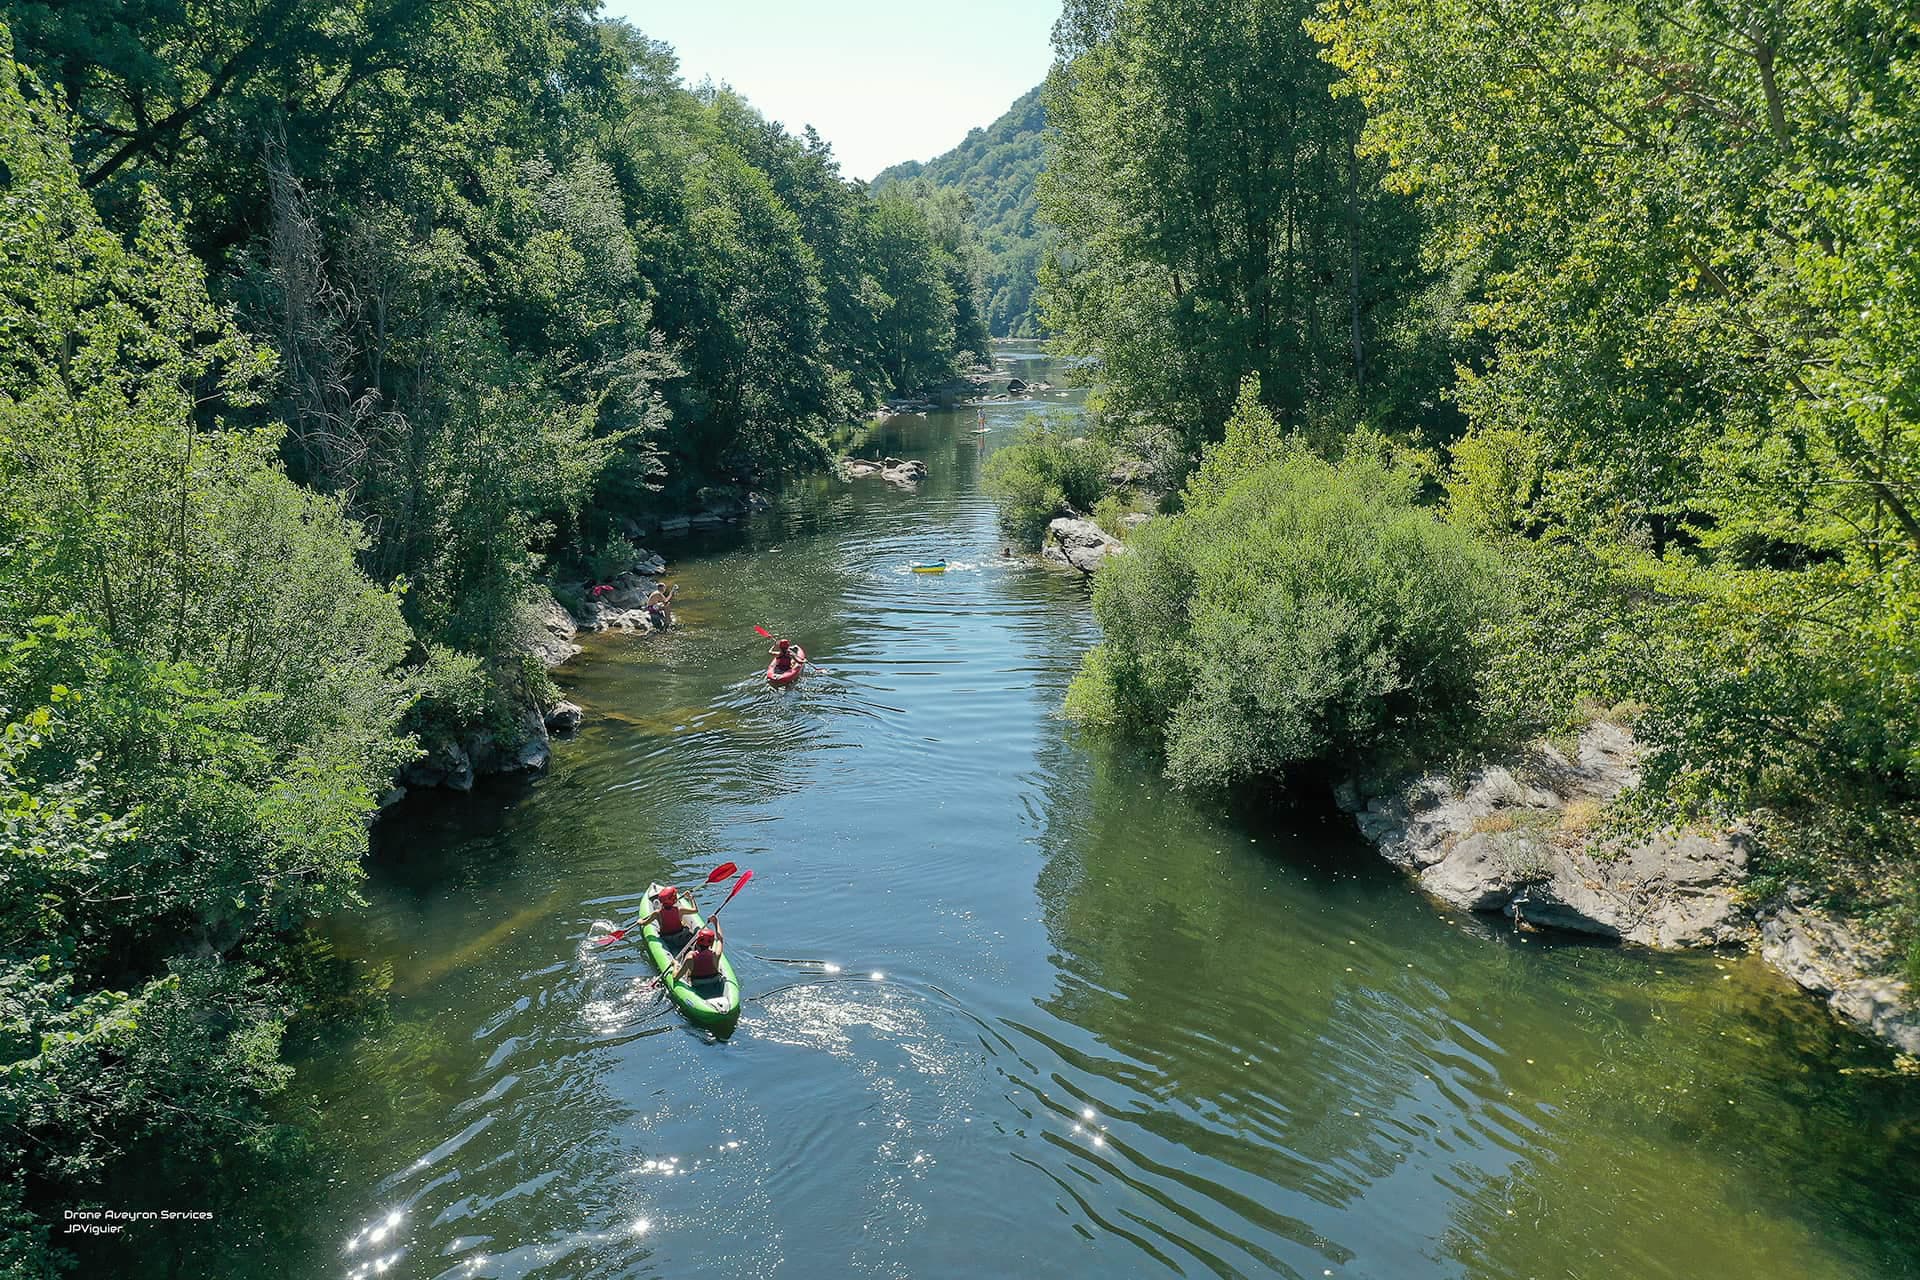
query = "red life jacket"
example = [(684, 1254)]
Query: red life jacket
[(670, 922), (705, 963)]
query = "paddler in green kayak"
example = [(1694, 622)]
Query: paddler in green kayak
[(702, 960), (667, 913)]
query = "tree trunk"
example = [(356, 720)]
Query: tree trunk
[(1353, 253)]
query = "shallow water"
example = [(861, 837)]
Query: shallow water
[(1012, 1004)]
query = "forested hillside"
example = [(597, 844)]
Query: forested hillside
[(327, 337), (997, 169)]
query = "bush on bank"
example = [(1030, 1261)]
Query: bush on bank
[(1046, 473), (1298, 611)]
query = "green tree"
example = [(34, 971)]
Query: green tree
[(1698, 409), (916, 330), (1046, 472), (1215, 218), (1296, 613), (199, 694)]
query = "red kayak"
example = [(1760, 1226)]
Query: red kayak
[(792, 673)]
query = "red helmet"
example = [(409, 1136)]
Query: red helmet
[(704, 938), (669, 894)]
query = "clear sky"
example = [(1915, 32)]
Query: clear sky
[(882, 80)]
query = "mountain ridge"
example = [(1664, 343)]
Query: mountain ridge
[(997, 168)]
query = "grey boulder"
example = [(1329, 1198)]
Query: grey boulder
[(1078, 544)]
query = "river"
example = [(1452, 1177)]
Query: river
[(1013, 1006)]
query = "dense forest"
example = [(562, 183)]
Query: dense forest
[(328, 338), (997, 169), (1505, 366)]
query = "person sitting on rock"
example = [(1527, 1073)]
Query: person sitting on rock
[(667, 913), (782, 652), (703, 961), (658, 612)]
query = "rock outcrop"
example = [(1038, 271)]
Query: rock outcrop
[(1516, 837), (1512, 837), (551, 638), (453, 763), (711, 506), (536, 747), (528, 751), (620, 605), (564, 718), (906, 472), (714, 505), (1846, 965), (612, 617), (1078, 544), (446, 764)]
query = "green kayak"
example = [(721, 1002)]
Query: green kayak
[(713, 1003)]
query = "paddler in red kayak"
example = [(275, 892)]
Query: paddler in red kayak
[(782, 652)]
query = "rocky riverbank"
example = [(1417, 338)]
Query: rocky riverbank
[(1519, 837), (456, 760), (1079, 544)]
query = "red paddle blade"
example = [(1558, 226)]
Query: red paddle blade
[(721, 872), (763, 631), (738, 885), (611, 938)]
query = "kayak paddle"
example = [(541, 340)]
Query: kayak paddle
[(714, 876), (738, 885)]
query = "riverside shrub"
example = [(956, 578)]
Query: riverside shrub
[(1304, 612), (1046, 473)]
